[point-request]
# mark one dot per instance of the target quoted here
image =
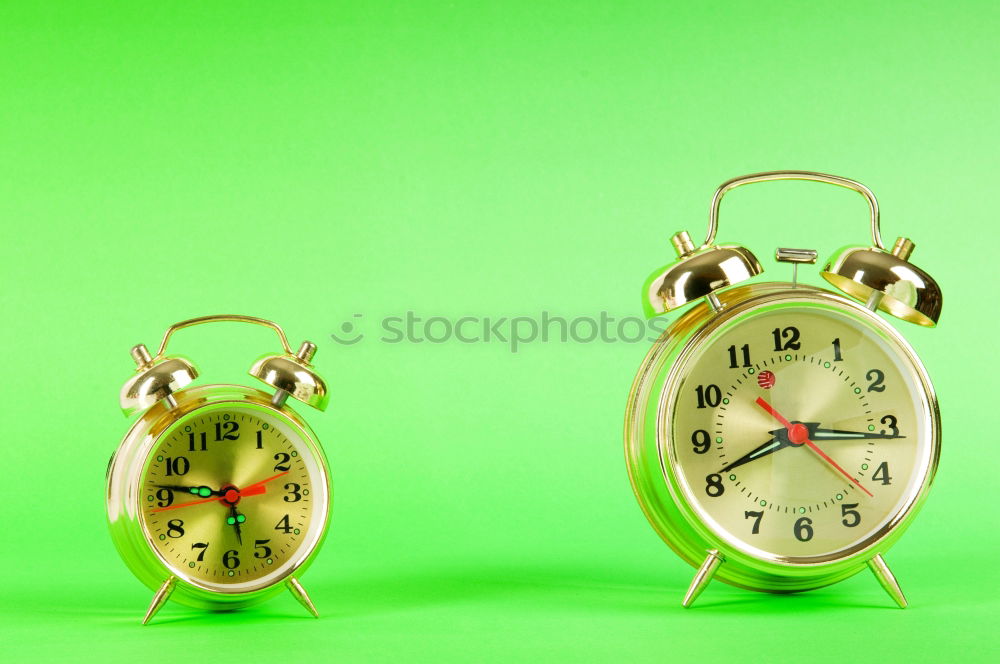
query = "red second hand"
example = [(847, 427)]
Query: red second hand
[(797, 434), (254, 489), (178, 506)]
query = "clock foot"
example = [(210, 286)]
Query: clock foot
[(160, 598), (701, 579), (887, 580), (299, 593)]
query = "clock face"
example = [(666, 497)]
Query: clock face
[(232, 497), (799, 433)]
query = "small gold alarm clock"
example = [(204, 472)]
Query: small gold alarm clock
[(778, 436), (219, 496)]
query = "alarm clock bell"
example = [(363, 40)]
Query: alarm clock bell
[(883, 279)]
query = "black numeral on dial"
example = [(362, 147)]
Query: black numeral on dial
[(803, 529), (744, 354), (175, 528), (293, 490), (786, 339), (881, 473), (282, 459), (176, 465), (709, 395), (714, 486), (701, 441), (226, 430), (231, 559), (283, 525), (197, 442), (890, 421), (164, 497), (852, 517), (837, 357), (756, 516), (263, 550), (875, 379), (260, 440), (203, 546)]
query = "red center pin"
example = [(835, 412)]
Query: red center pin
[(765, 379)]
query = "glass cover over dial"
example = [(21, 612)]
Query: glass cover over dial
[(228, 497), (799, 433)]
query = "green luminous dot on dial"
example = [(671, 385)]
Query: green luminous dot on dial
[(857, 390), (240, 518), (725, 401), (231, 572), (230, 520), (269, 561), (763, 503), (305, 492), (163, 537), (840, 496), (296, 531), (802, 510), (826, 365), (788, 358), (191, 564), (159, 458), (294, 453), (864, 466), (149, 497), (750, 371), (718, 440), (732, 477), (871, 427)]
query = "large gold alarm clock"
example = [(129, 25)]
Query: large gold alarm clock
[(219, 496), (778, 436)]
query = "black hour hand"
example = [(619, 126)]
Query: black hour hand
[(839, 434), (202, 491)]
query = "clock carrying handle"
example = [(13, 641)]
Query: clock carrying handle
[(767, 176), (224, 318)]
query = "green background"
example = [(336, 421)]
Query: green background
[(306, 162)]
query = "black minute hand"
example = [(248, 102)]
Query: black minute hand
[(769, 447)]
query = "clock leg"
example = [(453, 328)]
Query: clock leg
[(701, 579), (160, 598), (887, 580), (300, 594)]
